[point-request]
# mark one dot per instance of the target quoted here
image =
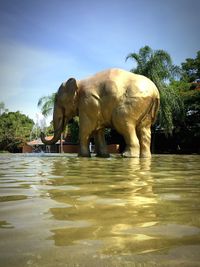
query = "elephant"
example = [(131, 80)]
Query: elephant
[(113, 98)]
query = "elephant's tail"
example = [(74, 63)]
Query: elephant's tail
[(151, 111), (154, 109)]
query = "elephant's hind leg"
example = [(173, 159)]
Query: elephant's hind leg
[(144, 136), (128, 131), (100, 144), (132, 149)]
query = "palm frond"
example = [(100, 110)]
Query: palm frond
[(46, 104)]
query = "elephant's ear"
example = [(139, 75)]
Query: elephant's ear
[(71, 86)]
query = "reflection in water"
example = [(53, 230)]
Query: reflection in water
[(62, 211)]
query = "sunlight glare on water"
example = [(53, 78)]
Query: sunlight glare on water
[(68, 211)]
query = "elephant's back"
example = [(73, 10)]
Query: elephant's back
[(133, 84), (121, 81), (143, 86)]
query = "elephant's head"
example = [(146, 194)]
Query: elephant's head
[(65, 108)]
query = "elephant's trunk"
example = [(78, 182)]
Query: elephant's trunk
[(56, 137)]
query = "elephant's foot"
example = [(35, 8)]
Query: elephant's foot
[(85, 154), (145, 155), (130, 154)]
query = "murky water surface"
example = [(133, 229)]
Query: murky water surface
[(68, 211)]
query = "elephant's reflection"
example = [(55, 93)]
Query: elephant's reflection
[(104, 198)]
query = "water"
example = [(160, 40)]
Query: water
[(68, 211)]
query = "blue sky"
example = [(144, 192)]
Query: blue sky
[(44, 42)]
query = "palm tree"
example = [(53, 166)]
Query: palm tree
[(157, 66), (46, 104)]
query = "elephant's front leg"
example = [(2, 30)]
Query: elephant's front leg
[(100, 144), (85, 131), (84, 144)]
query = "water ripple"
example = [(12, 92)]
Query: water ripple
[(115, 210)]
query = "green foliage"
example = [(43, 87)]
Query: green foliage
[(154, 64), (74, 130), (186, 132), (15, 130), (189, 133), (191, 68), (191, 98), (180, 86), (172, 109), (192, 107)]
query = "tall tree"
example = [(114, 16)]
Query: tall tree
[(157, 66)]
